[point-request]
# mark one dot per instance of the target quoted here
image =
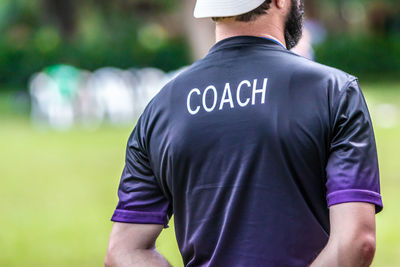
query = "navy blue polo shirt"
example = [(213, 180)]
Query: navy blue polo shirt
[(248, 148)]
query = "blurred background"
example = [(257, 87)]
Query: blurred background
[(75, 76)]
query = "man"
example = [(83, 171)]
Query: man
[(265, 158)]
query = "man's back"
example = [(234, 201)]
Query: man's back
[(247, 148)]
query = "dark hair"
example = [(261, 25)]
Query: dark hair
[(251, 15)]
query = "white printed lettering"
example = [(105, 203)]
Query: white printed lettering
[(214, 90), (258, 91), (191, 111), (242, 104), (210, 97), (227, 91)]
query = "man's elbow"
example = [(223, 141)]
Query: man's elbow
[(358, 251), (367, 248)]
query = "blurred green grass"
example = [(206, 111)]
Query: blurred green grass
[(58, 189)]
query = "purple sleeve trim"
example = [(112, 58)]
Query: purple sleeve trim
[(128, 216), (355, 195)]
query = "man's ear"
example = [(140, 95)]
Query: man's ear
[(281, 4)]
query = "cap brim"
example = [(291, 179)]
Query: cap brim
[(224, 8)]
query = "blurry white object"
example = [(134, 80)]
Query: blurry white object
[(149, 81), (316, 30), (314, 33), (113, 97), (304, 47), (108, 94), (48, 104), (386, 115)]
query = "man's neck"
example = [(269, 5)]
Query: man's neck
[(260, 28)]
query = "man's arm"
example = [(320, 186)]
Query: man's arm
[(134, 245), (352, 237)]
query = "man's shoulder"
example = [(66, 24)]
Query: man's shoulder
[(310, 74), (304, 67)]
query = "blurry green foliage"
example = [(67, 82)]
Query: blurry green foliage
[(106, 33), (133, 33), (362, 55), (17, 63)]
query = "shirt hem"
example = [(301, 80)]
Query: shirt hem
[(355, 195), (141, 217)]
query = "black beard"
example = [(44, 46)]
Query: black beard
[(294, 24)]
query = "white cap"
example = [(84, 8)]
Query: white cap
[(224, 8)]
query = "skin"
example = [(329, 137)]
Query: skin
[(352, 237), (134, 245), (270, 25)]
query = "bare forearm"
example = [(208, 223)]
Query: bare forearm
[(139, 258), (352, 254), (352, 236), (327, 257)]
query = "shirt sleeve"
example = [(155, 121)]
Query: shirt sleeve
[(352, 169), (140, 198)]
